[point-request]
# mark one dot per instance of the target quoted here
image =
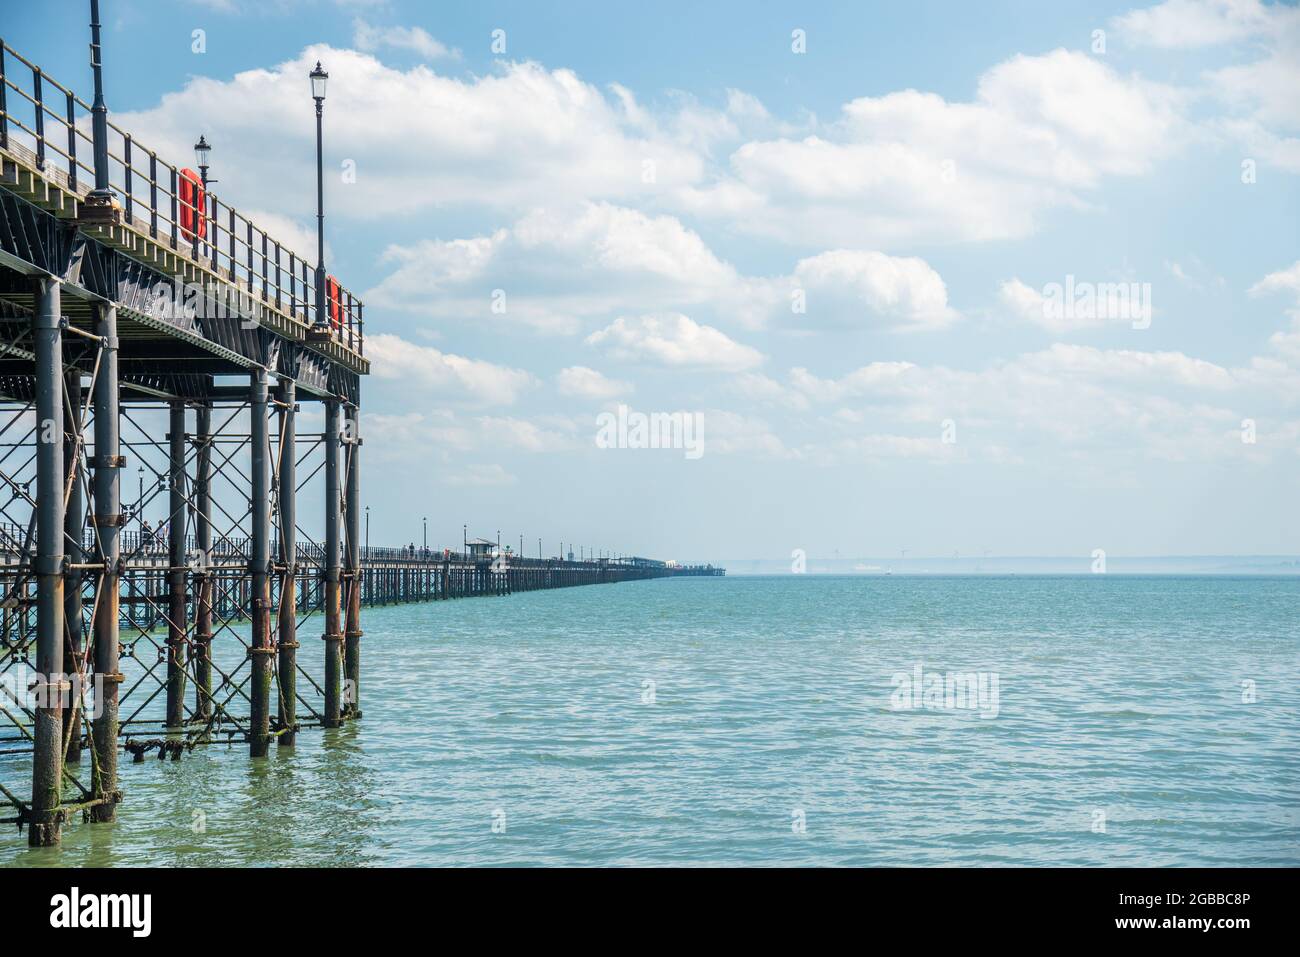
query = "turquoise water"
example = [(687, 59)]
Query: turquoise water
[(1120, 704)]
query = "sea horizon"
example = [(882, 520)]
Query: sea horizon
[(1057, 565)]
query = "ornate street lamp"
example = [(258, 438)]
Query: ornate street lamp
[(321, 328)]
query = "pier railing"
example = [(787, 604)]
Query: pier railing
[(49, 123)]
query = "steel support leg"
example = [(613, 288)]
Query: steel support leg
[(73, 524), (352, 644), (108, 526), (47, 757), (333, 506), (259, 561), (177, 569), (203, 590), (288, 553)]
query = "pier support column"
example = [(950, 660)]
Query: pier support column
[(352, 643), (259, 567), (333, 630), (177, 571), (47, 756), (203, 584), (108, 525), (288, 551), (75, 533)]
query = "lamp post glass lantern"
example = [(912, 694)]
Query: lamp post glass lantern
[(203, 156), (202, 152)]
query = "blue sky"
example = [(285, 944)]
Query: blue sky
[(651, 187)]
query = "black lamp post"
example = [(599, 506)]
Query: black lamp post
[(202, 153), (100, 202), (367, 531), (426, 535), (321, 327)]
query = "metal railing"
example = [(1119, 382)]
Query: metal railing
[(161, 201)]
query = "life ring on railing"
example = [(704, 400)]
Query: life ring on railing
[(334, 296), (193, 201)]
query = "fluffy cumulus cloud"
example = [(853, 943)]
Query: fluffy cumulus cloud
[(1285, 282), (478, 475), (416, 39), (585, 383), (1263, 111), (847, 283), (418, 139), (558, 268), (451, 435), (906, 167), (579, 211), (423, 368), (673, 340), (1067, 402), (1078, 306), (913, 167), (1188, 24), (732, 433)]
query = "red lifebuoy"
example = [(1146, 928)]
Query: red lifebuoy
[(334, 296), (193, 203)]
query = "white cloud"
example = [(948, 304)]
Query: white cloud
[(1187, 24), (1061, 404), (514, 139), (912, 167), (291, 234), (731, 433), (765, 390), (1260, 93), (1069, 310), (1284, 280), (586, 383), (557, 269), (477, 476), (1287, 343), (906, 291), (889, 446), (408, 435), (673, 340), (560, 267), (469, 380), (509, 432), (416, 39)]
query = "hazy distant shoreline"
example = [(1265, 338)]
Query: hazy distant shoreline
[(1068, 565)]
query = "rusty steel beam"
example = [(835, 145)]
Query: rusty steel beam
[(108, 527), (352, 638), (333, 518), (176, 573), (287, 670), (47, 758), (259, 566)]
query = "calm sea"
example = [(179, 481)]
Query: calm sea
[(1110, 721)]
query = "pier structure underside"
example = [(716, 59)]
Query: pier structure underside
[(174, 412)]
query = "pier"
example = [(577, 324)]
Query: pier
[(163, 356)]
